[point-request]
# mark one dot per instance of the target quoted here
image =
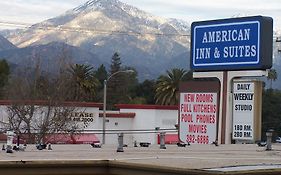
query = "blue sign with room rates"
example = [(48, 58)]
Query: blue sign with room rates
[(232, 44)]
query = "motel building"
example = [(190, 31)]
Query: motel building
[(138, 123)]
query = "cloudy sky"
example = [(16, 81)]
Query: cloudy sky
[(33, 11)]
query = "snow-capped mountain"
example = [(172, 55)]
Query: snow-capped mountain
[(103, 27), (98, 28), (5, 44)]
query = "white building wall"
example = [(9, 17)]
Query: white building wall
[(3, 116), (134, 129), (91, 126), (166, 119), (116, 124), (144, 120), (149, 119)]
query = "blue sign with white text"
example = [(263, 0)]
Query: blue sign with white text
[(232, 44)]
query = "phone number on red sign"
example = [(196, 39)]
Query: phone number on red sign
[(200, 139)]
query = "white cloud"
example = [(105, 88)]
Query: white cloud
[(191, 10), (32, 11)]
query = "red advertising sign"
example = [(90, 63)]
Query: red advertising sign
[(198, 117)]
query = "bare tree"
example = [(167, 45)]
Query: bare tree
[(37, 104)]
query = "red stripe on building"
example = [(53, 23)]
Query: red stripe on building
[(83, 138), (169, 138), (44, 103), (119, 115), (138, 106)]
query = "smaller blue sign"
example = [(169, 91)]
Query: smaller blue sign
[(232, 44)]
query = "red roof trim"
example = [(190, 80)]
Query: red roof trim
[(119, 115), (42, 103), (138, 106)]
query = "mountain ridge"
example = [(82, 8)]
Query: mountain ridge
[(102, 27), (6, 44)]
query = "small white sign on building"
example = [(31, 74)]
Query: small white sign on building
[(198, 117), (243, 110)]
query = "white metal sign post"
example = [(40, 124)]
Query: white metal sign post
[(243, 110), (198, 113)]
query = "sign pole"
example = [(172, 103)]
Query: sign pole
[(220, 76)]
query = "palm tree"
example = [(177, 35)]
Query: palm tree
[(167, 87), (83, 82), (272, 76)]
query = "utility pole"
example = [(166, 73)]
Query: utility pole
[(104, 100)]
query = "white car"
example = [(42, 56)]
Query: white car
[(278, 140)]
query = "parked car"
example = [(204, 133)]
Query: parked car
[(261, 143), (278, 140)]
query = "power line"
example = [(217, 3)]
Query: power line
[(103, 31), (87, 30), (92, 30)]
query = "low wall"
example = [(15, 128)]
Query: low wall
[(104, 167)]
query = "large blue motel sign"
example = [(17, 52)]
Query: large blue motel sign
[(232, 44)]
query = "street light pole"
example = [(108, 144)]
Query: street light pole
[(104, 111), (104, 100)]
